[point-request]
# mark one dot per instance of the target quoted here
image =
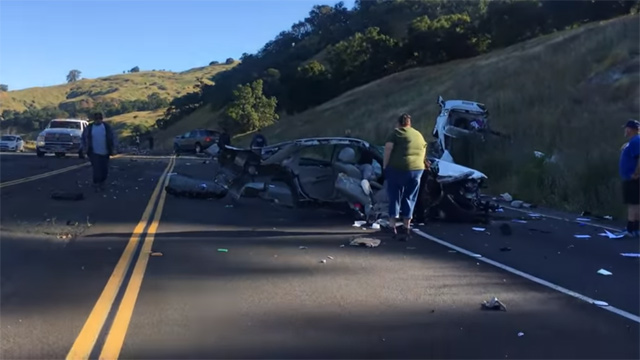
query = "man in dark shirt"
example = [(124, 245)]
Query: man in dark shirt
[(630, 174), (224, 140), (258, 141)]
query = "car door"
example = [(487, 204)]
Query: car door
[(312, 166), (186, 140)]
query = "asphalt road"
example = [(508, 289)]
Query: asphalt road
[(266, 297)]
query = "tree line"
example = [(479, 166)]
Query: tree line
[(336, 49)]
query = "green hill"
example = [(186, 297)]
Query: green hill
[(121, 96)]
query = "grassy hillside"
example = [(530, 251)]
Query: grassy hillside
[(116, 87), (565, 94)]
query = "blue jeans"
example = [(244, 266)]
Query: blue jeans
[(402, 190)]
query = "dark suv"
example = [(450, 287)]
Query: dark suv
[(195, 141)]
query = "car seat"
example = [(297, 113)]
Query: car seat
[(346, 163)]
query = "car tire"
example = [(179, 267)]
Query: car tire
[(198, 148), (176, 149), (60, 154), (39, 153)]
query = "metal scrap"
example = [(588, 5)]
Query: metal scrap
[(365, 242), (493, 304)]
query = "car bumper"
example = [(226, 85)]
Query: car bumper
[(62, 147)]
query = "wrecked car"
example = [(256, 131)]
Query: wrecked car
[(345, 171)]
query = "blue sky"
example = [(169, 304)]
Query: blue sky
[(40, 41)]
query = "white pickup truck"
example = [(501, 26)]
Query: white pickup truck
[(60, 137)]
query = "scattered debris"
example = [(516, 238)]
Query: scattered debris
[(64, 236), (506, 197), (223, 250), (359, 223), (493, 304), (517, 203), (600, 303), (366, 242), (156, 253), (583, 219), (611, 235), (604, 272), (506, 248), (538, 154), (323, 261), (71, 196), (630, 255), (581, 236), (72, 223), (182, 185), (375, 226), (519, 221), (520, 334), (535, 215), (476, 255), (303, 247), (478, 229), (330, 257), (506, 230)]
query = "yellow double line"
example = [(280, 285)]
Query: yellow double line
[(41, 176), (86, 340)]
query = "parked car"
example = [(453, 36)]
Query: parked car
[(61, 136), (195, 140), (11, 143)]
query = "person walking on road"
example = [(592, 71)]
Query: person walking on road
[(630, 173), (258, 141), (224, 139), (99, 141), (403, 164)]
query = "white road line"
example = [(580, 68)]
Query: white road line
[(562, 219), (555, 287)]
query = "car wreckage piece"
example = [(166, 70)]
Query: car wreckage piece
[(346, 171), (186, 186)]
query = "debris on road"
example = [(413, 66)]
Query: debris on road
[(72, 223), (156, 253), (611, 235), (506, 248), (359, 223), (330, 257), (538, 154), (303, 247), (375, 226), (506, 197), (64, 236), (223, 250), (630, 255), (506, 230), (583, 219), (517, 203), (365, 242), (604, 272), (580, 236), (520, 334), (182, 185), (323, 261), (493, 304), (600, 303), (519, 221), (478, 229), (71, 196)]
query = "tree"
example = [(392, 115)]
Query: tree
[(214, 63), (73, 76), (134, 69), (250, 109), (229, 61), (4, 87)]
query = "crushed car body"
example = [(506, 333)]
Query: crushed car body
[(345, 172)]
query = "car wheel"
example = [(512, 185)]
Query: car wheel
[(198, 148), (39, 153), (60, 154)]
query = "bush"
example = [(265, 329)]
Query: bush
[(229, 61), (251, 110)]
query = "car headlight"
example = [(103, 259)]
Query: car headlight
[(40, 140)]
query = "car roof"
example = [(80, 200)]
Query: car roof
[(465, 105), (324, 140), (70, 120)]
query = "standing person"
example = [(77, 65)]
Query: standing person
[(138, 142), (99, 141), (224, 139), (630, 173), (258, 141), (404, 162)]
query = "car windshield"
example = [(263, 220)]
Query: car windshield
[(8, 138), (64, 125)]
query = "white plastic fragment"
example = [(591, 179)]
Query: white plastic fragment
[(630, 255), (611, 235), (359, 223), (506, 197), (375, 226), (520, 334), (519, 221), (323, 261), (604, 272), (538, 154), (478, 229), (600, 303), (581, 236), (581, 219)]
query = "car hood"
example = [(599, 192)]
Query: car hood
[(8, 142), (61, 131), (448, 169)]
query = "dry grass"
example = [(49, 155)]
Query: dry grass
[(123, 124), (117, 87), (538, 92)]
